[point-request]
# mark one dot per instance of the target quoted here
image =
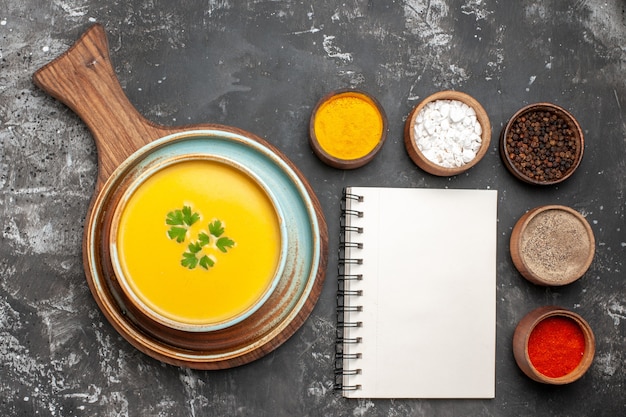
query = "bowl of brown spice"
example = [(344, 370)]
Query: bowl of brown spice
[(542, 144), (552, 245)]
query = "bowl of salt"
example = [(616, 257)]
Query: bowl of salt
[(447, 133)]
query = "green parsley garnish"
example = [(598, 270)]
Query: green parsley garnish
[(204, 239), (178, 233), (206, 262), (215, 228), (224, 243), (197, 253), (180, 221), (189, 260)]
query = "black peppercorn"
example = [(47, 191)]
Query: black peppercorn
[(541, 145)]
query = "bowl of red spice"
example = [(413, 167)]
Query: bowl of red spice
[(552, 245), (553, 345), (347, 128), (447, 133), (542, 144)]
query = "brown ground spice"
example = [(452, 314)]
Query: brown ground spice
[(555, 245)]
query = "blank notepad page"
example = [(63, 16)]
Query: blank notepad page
[(425, 313)]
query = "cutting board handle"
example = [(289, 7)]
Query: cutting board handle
[(83, 79)]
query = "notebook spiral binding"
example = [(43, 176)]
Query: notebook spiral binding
[(345, 297)]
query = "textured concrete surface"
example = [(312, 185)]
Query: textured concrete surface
[(261, 66)]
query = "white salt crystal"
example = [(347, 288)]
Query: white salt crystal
[(448, 133), (456, 114), (444, 109), (468, 155)]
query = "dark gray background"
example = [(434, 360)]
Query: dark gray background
[(261, 66)]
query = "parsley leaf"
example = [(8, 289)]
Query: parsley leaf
[(206, 262), (216, 228), (177, 233), (204, 239), (224, 243), (180, 220), (189, 260), (189, 217), (175, 218), (194, 247)]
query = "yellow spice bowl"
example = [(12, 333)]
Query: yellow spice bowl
[(347, 128)]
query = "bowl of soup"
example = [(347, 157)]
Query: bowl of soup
[(197, 244)]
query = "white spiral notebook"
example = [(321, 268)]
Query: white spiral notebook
[(417, 294)]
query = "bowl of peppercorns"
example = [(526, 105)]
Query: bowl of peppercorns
[(542, 144)]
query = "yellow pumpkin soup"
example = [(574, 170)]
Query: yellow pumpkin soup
[(198, 243)]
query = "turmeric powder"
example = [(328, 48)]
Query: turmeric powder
[(348, 126)]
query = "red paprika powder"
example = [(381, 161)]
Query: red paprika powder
[(556, 346)]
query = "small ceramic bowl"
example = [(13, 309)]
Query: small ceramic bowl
[(542, 144), (418, 156), (522, 338), (334, 142), (552, 245)]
